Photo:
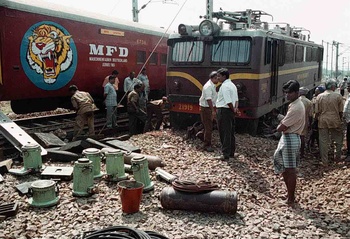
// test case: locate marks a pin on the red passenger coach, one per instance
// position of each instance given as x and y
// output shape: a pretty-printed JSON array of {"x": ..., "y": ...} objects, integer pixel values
[
  {"x": 44, "y": 48},
  {"x": 260, "y": 57}
]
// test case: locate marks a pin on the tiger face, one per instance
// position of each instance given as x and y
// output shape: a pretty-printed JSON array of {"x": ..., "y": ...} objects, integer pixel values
[{"x": 49, "y": 52}]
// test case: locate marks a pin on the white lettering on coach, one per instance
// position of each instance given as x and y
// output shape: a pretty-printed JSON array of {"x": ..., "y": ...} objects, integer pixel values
[{"x": 99, "y": 50}]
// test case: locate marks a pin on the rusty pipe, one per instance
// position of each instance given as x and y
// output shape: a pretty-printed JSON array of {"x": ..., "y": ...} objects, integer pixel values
[
  {"x": 217, "y": 201},
  {"x": 153, "y": 161}
]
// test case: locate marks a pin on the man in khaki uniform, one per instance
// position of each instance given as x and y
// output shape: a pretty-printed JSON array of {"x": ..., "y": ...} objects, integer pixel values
[
  {"x": 329, "y": 112},
  {"x": 84, "y": 105},
  {"x": 308, "y": 116}
]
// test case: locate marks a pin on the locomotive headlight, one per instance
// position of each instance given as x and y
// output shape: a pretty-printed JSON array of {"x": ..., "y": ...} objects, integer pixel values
[
  {"x": 186, "y": 30},
  {"x": 208, "y": 28}
]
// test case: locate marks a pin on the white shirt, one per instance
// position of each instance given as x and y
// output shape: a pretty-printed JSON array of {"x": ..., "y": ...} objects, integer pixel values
[
  {"x": 227, "y": 94},
  {"x": 346, "y": 111},
  {"x": 208, "y": 93},
  {"x": 130, "y": 83}
]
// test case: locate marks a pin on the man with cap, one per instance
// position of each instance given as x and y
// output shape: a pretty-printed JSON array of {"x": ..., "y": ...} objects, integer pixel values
[
  {"x": 84, "y": 105},
  {"x": 329, "y": 112},
  {"x": 207, "y": 108},
  {"x": 308, "y": 113},
  {"x": 346, "y": 116}
]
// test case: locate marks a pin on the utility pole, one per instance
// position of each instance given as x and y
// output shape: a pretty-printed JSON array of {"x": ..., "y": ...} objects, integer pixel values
[
  {"x": 135, "y": 11},
  {"x": 209, "y": 10},
  {"x": 336, "y": 58},
  {"x": 327, "y": 60}
]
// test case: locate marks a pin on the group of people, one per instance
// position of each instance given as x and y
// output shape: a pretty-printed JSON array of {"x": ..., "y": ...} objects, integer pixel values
[
  {"x": 140, "y": 109},
  {"x": 222, "y": 105},
  {"x": 323, "y": 116}
]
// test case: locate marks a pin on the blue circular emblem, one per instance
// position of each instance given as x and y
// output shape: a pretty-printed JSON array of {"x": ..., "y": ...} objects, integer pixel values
[{"x": 48, "y": 55}]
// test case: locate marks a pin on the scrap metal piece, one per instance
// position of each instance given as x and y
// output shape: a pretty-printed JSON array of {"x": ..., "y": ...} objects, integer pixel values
[
  {"x": 49, "y": 139},
  {"x": 23, "y": 188},
  {"x": 5, "y": 166},
  {"x": 123, "y": 146},
  {"x": 63, "y": 173},
  {"x": 9, "y": 209},
  {"x": 15, "y": 134}
]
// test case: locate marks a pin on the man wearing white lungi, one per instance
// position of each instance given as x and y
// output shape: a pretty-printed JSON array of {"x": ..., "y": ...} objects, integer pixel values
[{"x": 286, "y": 156}]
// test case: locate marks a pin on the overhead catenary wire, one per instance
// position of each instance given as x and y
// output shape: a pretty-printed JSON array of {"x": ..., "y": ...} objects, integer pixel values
[{"x": 149, "y": 57}]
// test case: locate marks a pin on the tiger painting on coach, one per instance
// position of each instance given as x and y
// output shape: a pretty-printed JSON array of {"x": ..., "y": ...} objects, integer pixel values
[{"x": 49, "y": 52}]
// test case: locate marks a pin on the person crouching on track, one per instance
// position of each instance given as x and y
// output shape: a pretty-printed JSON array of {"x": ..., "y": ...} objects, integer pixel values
[
  {"x": 155, "y": 107},
  {"x": 84, "y": 105},
  {"x": 134, "y": 111},
  {"x": 286, "y": 156},
  {"x": 207, "y": 108},
  {"x": 111, "y": 102}
]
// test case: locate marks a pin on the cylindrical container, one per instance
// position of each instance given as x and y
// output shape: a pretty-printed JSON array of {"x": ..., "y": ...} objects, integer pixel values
[
  {"x": 115, "y": 165},
  {"x": 44, "y": 193},
  {"x": 215, "y": 201},
  {"x": 153, "y": 161},
  {"x": 95, "y": 156},
  {"x": 139, "y": 167},
  {"x": 32, "y": 157},
  {"x": 83, "y": 177},
  {"x": 130, "y": 194}
]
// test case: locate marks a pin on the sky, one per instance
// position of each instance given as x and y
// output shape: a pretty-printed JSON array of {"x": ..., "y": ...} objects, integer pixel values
[{"x": 328, "y": 21}]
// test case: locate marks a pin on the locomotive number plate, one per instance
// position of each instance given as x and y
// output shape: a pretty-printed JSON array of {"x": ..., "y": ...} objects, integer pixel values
[{"x": 186, "y": 108}]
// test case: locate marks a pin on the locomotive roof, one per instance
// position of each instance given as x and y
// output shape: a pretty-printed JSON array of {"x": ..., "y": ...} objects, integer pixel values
[
  {"x": 54, "y": 10},
  {"x": 247, "y": 33}
]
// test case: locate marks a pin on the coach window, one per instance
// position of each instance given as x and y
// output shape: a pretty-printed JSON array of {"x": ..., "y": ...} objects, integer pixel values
[
  {"x": 141, "y": 57},
  {"x": 163, "y": 59},
  {"x": 299, "y": 54},
  {"x": 231, "y": 51},
  {"x": 191, "y": 51},
  {"x": 308, "y": 54},
  {"x": 289, "y": 53},
  {"x": 154, "y": 59},
  {"x": 314, "y": 54}
]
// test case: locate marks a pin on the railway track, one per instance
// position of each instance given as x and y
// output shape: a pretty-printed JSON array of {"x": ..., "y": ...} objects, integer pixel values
[{"x": 65, "y": 122}]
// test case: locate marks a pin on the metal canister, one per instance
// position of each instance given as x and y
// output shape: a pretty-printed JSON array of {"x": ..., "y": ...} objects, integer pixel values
[
  {"x": 83, "y": 177},
  {"x": 115, "y": 165},
  {"x": 215, "y": 201},
  {"x": 32, "y": 157},
  {"x": 95, "y": 156},
  {"x": 139, "y": 167},
  {"x": 44, "y": 193}
]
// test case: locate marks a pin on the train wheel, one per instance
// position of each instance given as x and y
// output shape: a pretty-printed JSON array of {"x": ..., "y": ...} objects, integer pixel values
[
  {"x": 249, "y": 126},
  {"x": 182, "y": 120}
]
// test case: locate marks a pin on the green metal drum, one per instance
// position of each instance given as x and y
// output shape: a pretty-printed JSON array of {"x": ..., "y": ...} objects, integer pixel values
[
  {"x": 139, "y": 167},
  {"x": 83, "y": 177},
  {"x": 44, "y": 193},
  {"x": 95, "y": 156},
  {"x": 32, "y": 157},
  {"x": 115, "y": 165}
]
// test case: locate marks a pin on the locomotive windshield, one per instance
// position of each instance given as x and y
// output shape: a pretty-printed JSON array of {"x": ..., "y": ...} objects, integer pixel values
[
  {"x": 190, "y": 51},
  {"x": 236, "y": 51}
]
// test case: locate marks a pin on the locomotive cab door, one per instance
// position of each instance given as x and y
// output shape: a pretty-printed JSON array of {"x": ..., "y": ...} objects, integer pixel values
[{"x": 277, "y": 47}]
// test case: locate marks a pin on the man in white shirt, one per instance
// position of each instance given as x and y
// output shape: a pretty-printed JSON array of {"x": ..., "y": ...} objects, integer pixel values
[
  {"x": 346, "y": 116},
  {"x": 130, "y": 82},
  {"x": 207, "y": 109},
  {"x": 145, "y": 81},
  {"x": 227, "y": 107}
]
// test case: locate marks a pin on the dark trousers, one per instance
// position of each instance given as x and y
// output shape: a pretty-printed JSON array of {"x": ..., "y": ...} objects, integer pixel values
[
  {"x": 134, "y": 119},
  {"x": 207, "y": 121},
  {"x": 226, "y": 125}
]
